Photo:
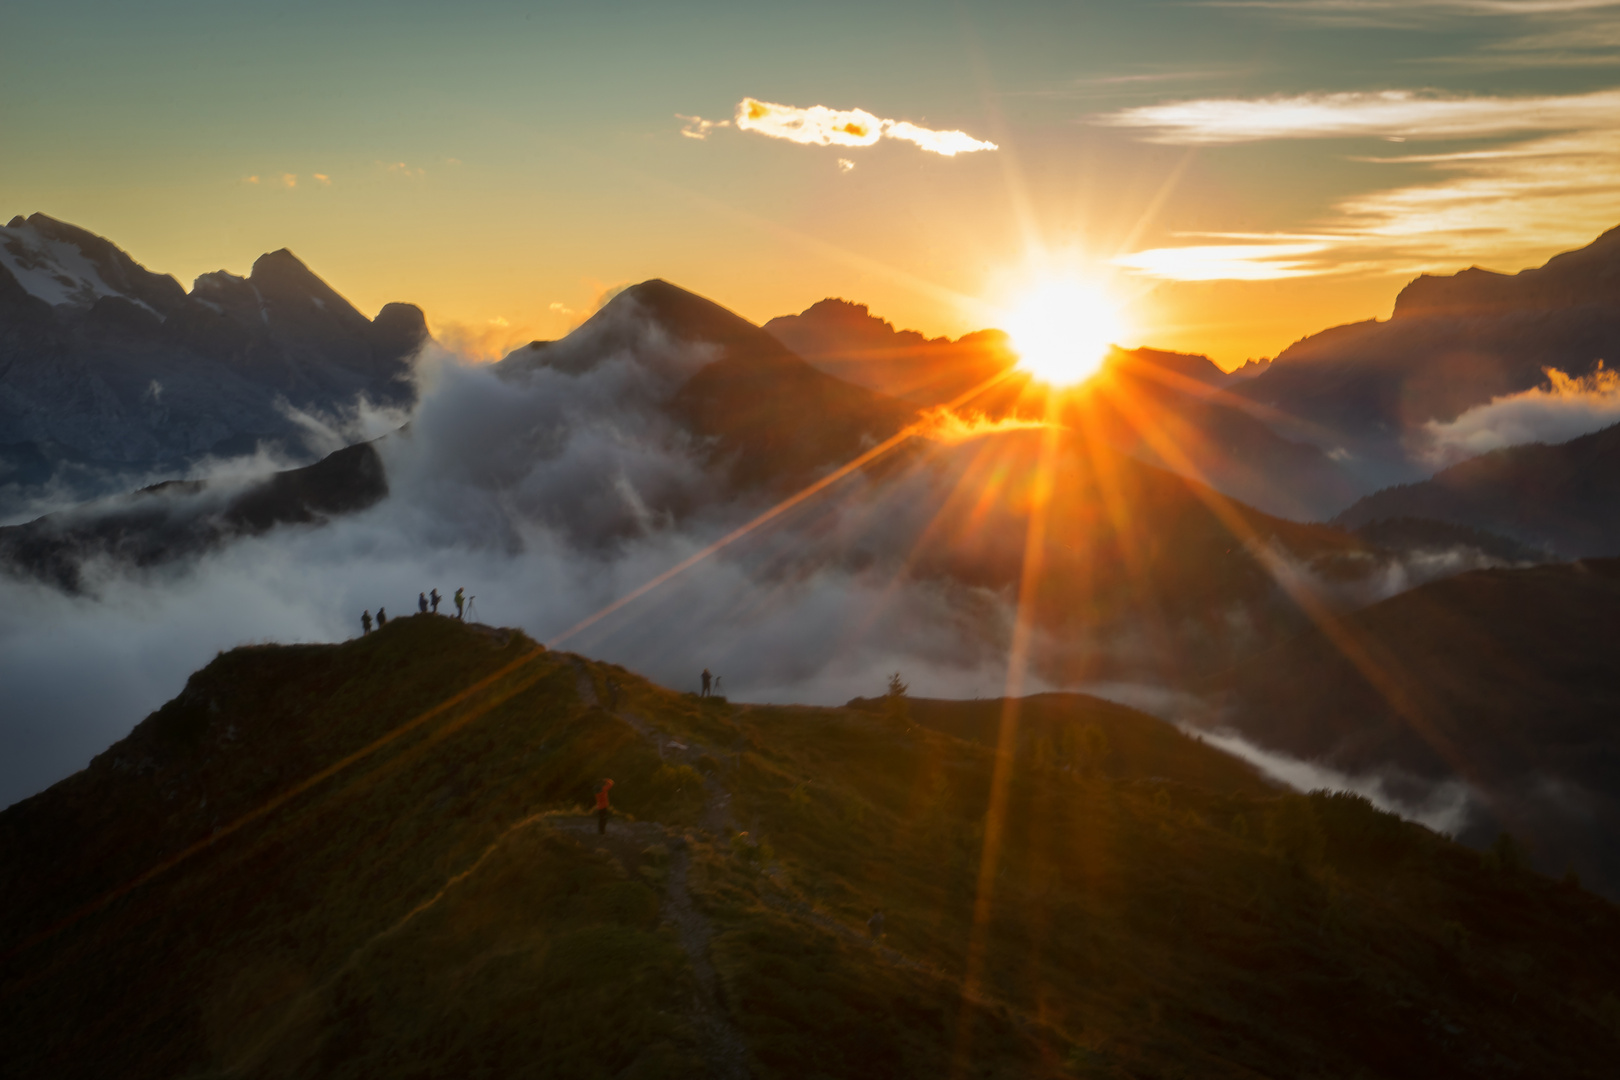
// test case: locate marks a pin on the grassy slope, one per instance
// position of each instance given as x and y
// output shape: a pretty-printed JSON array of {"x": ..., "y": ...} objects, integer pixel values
[{"x": 441, "y": 907}]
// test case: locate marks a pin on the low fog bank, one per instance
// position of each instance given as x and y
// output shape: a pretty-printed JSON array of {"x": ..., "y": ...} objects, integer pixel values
[
  {"x": 1564, "y": 408},
  {"x": 549, "y": 488},
  {"x": 1449, "y": 807}
]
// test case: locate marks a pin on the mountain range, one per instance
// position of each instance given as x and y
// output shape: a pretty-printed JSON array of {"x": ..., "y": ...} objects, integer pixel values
[
  {"x": 1368, "y": 390},
  {"x": 111, "y": 373}
]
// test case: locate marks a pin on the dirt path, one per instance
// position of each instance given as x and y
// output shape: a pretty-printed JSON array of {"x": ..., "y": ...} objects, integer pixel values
[{"x": 723, "y": 1047}]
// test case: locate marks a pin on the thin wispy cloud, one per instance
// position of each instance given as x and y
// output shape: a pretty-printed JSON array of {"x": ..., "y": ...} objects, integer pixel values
[
  {"x": 698, "y": 128},
  {"x": 1262, "y": 261},
  {"x": 819, "y": 125},
  {"x": 1404, "y": 114},
  {"x": 1409, "y": 13},
  {"x": 1549, "y": 181}
]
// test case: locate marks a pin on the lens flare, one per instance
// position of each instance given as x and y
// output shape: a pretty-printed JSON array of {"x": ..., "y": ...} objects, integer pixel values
[{"x": 1062, "y": 330}]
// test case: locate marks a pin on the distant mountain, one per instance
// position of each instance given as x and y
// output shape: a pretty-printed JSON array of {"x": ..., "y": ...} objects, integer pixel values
[
  {"x": 1507, "y": 681},
  {"x": 845, "y": 339},
  {"x": 110, "y": 372},
  {"x": 1453, "y": 342},
  {"x": 766, "y": 418},
  {"x": 180, "y": 519},
  {"x": 1167, "y": 408},
  {"x": 377, "y": 858},
  {"x": 1563, "y": 499}
]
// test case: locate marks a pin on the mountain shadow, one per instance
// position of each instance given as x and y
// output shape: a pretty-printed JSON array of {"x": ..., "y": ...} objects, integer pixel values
[
  {"x": 1563, "y": 498},
  {"x": 1504, "y": 680}
]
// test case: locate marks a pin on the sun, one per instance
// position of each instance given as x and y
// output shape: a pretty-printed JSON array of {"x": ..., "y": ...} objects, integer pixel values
[{"x": 1062, "y": 329}]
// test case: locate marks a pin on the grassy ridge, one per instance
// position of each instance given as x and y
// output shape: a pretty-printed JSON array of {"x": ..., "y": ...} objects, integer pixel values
[{"x": 443, "y": 906}]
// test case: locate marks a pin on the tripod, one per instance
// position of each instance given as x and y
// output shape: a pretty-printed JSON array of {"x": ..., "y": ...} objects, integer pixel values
[{"x": 472, "y": 612}]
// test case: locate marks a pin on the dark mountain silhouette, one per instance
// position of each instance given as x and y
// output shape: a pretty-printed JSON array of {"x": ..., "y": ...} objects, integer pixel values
[
  {"x": 180, "y": 519},
  {"x": 1506, "y": 680},
  {"x": 1453, "y": 342},
  {"x": 1165, "y": 407},
  {"x": 109, "y": 371},
  {"x": 375, "y": 858},
  {"x": 1416, "y": 536},
  {"x": 845, "y": 339},
  {"x": 1563, "y": 499}
]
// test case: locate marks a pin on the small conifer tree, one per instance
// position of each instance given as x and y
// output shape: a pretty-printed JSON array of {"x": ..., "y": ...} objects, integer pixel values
[{"x": 895, "y": 705}]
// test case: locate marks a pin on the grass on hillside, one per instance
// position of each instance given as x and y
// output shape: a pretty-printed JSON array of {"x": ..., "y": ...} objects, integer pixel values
[{"x": 443, "y": 905}]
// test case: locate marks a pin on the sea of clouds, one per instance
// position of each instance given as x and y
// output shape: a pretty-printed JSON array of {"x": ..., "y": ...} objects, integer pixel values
[
  {"x": 548, "y": 489},
  {"x": 547, "y": 496}
]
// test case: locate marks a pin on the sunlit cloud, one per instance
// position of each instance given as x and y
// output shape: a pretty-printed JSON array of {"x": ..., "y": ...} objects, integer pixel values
[
  {"x": 821, "y": 126},
  {"x": 845, "y": 165},
  {"x": 402, "y": 169},
  {"x": 323, "y": 179},
  {"x": 1224, "y": 262},
  {"x": 1405, "y": 114},
  {"x": 481, "y": 342},
  {"x": 698, "y": 128},
  {"x": 943, "y": 425},
  {"x": 1565, "y": 408},
  {"x": 250, "y": 179},
  {"x": 1550, "y": 182}
]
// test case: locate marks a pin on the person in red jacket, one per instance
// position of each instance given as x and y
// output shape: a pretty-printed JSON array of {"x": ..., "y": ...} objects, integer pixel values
[{"x": 602, "y": 810}]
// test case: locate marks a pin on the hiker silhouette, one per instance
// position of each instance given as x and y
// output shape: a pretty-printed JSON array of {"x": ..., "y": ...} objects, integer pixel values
[
  {"x": 434, "y": 598},
  {"x": 421, "y": 603},
  {"x": 602, "y": 811},
  {"x": 461, "y": 598},
  {"x": 382, "y": 618},
  {"x": 706, "y": 680},
  {"x": 365, "y": 621}
]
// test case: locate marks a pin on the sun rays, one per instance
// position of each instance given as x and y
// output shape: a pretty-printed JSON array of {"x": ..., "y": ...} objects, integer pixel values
[{"x": 1062, "y": 329}]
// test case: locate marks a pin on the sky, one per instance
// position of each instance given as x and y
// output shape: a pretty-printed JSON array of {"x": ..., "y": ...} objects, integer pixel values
[{"x": 1235, "y": 173}]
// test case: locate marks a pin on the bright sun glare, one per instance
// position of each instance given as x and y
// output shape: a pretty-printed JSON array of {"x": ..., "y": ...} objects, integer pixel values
[{"x": 1062, "y": 329}]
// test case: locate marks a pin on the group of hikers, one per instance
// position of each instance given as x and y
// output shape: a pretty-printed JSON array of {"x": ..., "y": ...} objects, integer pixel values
[{"x": 426, "y": 603}]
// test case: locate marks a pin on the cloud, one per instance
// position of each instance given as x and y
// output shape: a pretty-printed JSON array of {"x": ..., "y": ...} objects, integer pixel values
[
  {"x": 548, "y": 495},
  {"x": 1225, "y": 262},
  {"x": 845, "y": 165},
  {"x": 1564, "y": 409},
  {"x": 1411, "y": 13},
  {"x": 1549, "y": 180},
  {"x": 821, "y": 126},
  {"x": 250, "y": 180},
  {"x": 698, "y": 128},
  {"x": 481, "y": 342},
  {"x": 1446, "y": 807},
  {"x": 402, "y": 169},
  {"x": 1406, "y": 114},
  {"x": 288, "y": 180},
  {"x": 323, "y": 179}
]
